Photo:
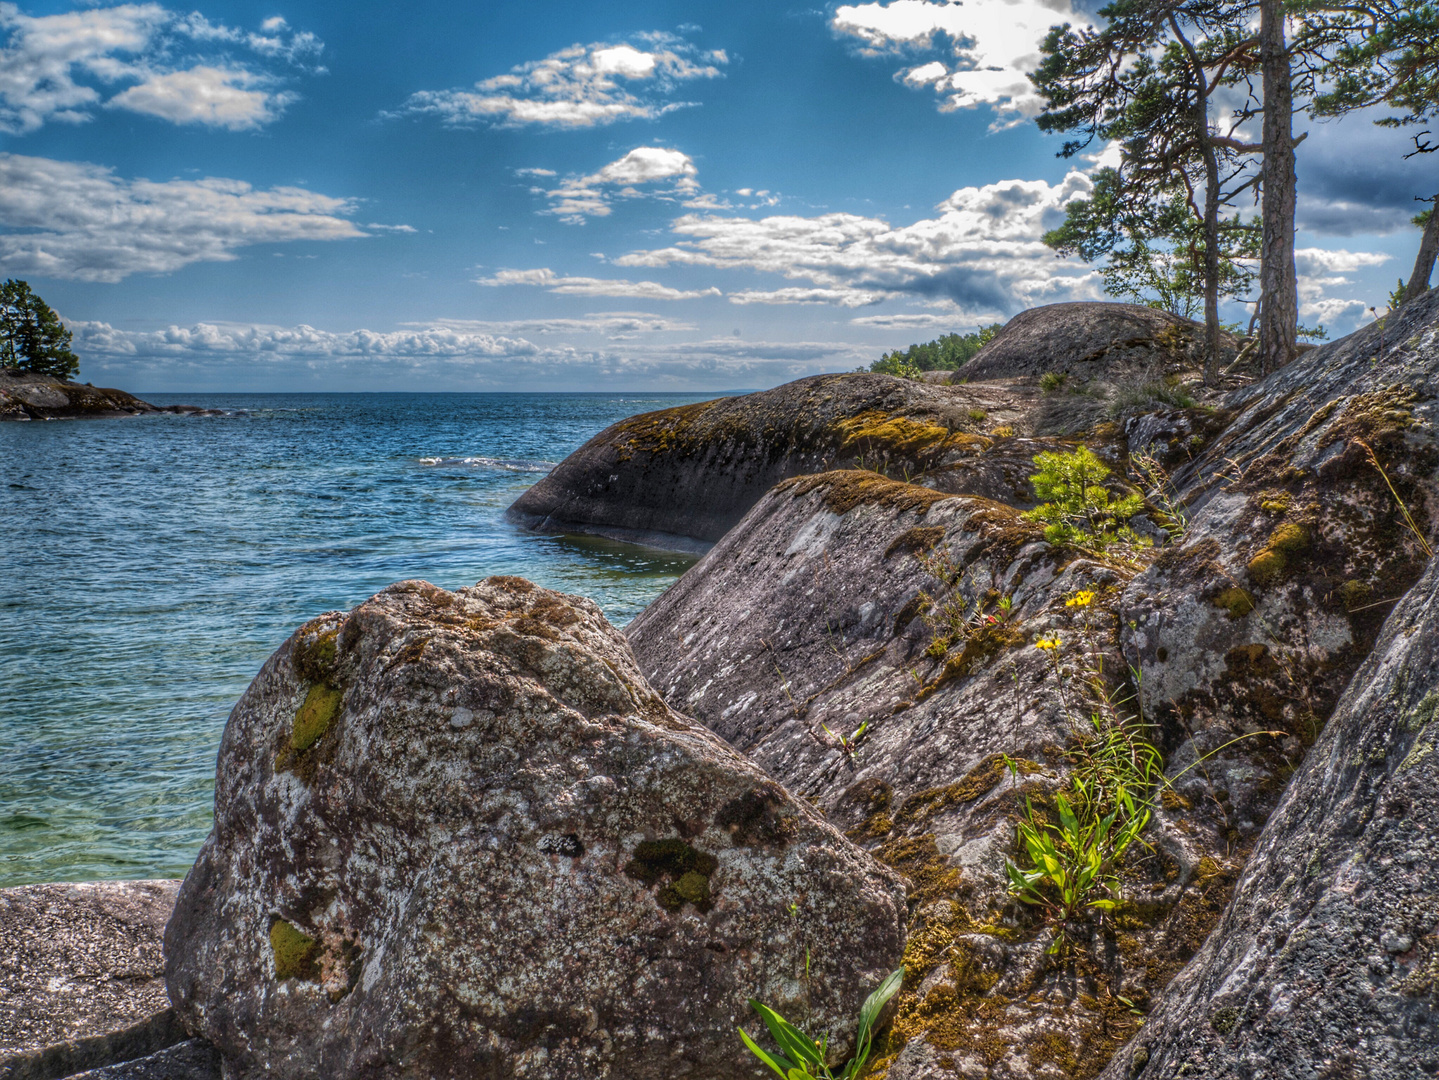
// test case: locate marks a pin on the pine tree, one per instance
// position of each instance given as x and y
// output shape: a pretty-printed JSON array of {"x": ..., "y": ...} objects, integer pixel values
[{"x": 32, "y": 337}]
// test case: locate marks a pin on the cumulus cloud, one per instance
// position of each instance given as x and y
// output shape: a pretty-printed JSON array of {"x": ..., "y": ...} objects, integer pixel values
[
  {"x": 578, "y": 87},
  {"x": 458, "y": 353},
  {"x": 581, "y": 197},
  {"x": 165, "y": 64},
  {"x": 987, "y": 48},
  {"x": 258, "y": 340},
  {"x": 1324, "y": 278},
  {"x": 982, "y": 252},
  {"x": 80, "y": 221},
  {"x": 548, "y": 280}
]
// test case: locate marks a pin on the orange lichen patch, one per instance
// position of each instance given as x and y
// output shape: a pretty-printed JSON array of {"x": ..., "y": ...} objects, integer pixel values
[
  {"x": 844, "y": 489},
  {"x": 664, "y": 431},
  {"x": 980, "y": 780},
  {"x": 877, "y": 430}
]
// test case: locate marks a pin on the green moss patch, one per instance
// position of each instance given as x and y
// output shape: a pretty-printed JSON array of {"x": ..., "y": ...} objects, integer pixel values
[
  {"x": 315, "y": 715},
  {"x": 1235, "y": 601},
  {"x": 297, "y": 954},
  {"x": 685, "y": 869}
]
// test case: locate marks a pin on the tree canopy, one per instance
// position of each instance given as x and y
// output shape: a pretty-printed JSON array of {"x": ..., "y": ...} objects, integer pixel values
[
  {"x": 32, "y": 337},
  {"x": 945, "y": 353}
]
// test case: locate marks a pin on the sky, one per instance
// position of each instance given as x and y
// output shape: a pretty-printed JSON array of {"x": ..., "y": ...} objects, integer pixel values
[{"x": 572, "y": 196}]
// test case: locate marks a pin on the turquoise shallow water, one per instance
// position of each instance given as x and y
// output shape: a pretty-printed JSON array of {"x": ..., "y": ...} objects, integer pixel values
[{"x": 150, "y": 565}]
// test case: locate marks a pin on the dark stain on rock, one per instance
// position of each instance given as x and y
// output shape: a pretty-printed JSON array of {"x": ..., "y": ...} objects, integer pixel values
[{"x": 755, "y": 819}]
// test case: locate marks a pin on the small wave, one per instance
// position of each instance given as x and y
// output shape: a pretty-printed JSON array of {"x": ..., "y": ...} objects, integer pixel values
[{"x": 526, "y": 465}]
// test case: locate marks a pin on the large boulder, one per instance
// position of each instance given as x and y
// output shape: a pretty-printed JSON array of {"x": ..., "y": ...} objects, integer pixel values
[
  {"x": 681, "y": 478},
  {"x": 1085, "y": 341},
  {"x": 1327, "y": 962},
  {"x": 457, "y": 834},
  {"x": 1309, "y": 518}
]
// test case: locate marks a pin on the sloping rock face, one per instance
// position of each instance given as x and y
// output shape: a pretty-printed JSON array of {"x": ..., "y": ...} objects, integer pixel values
[
  {"x": 458, "y": 835},
  {"x": 81, "y": 976},
  {"x": 833, "y": 608},
  {"x": 1309, "y": 519},
  {"x": 681, "y": 478},
  {"x": 1327, "y": 962},
  {"x": 24, "y": 396},
  {"x": 1305, "y": 520}
]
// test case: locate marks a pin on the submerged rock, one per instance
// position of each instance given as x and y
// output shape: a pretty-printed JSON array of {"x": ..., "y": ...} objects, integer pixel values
[
  {"x": 1327, "y": 962},
  {"x": 457, "y": 834}
]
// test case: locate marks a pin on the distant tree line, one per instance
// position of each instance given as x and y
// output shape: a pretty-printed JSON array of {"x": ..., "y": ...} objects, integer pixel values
[
  {"x": 1160, "y": 78},
  {"x": 32, "y": 337},
  {"x": 945, "y": 353}
]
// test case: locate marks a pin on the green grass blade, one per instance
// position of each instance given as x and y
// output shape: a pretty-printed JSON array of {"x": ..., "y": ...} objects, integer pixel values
[
  {"x": 791, "y": 1040},
  {"x": 782, "y": 1067}
]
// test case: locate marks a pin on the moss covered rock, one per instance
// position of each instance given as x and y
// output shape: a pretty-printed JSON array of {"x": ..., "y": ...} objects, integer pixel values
[{"x": 457, "y": 834}]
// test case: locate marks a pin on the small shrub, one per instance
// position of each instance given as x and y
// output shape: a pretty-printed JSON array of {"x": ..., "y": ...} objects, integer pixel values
[
  {"x": 1078, "y": 509},
  {"x": 978, "y": 415},
  {"x": 1051, "y": 381}
]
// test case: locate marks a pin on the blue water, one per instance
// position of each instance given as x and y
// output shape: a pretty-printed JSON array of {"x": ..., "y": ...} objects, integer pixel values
[{"x": 149, "y": 565}]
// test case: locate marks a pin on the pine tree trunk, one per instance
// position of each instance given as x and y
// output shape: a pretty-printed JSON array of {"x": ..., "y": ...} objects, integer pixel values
[
  {"x": 1211, "y": 269},
  {"x": 1428, "y": 249},
  {"x": 1278, "y": 287}
]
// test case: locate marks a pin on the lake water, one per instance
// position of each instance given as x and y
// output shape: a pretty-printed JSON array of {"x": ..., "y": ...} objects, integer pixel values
[{"x": 149, "y": 566}]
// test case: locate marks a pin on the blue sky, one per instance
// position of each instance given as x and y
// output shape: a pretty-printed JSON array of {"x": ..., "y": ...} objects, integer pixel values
[{"x": 606, "y": 196}]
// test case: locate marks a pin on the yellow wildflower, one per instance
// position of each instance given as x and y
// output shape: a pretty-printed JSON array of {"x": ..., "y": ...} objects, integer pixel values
[
  {"x": 1083, "y": 598},
  {"x": 1047, "y": 643}
]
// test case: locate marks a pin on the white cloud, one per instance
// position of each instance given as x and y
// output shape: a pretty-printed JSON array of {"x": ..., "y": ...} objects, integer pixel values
[
  {"x": 989, "y": 47},
  {"x": 60, "y": 67},
  {"x": 1337, "y": 261},
  {"x": 580, "y": 197},
  {"x": 983, "y": 251},
  {"x": 842, "y": 297},
  {"x": 234, "y": 98},
  {"x": 77, "y": 220},
  {"x": 587, "y": 286},
  {"x": 608, "y": 323},
  {"x": 913, "y": 320},
  {"x": 581, "y": 86},
  {"x": 457, "y": 353}
]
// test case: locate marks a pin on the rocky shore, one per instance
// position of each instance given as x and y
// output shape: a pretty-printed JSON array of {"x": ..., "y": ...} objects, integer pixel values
[
  {"x": 484, "y": 833},
  {"x": 24, "y": 396}
]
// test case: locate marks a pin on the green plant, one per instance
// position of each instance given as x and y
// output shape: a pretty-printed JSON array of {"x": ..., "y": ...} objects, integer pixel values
[
  {"x": 1052, "y": 380},
  {"x": 850, "y": 744},
  {"x": 803, "y": 1058},
  {"x": 1074, "y": 862},
  {"x": 1078, "y": 509}
]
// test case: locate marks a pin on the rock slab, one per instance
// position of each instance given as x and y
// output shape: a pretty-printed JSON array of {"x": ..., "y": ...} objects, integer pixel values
[
  {"x": 82, "y": 976},
  {"x": 1327, "y": 962},
  {"x": 24, "y": 396},
  {"x": 457, "y": 834}
]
